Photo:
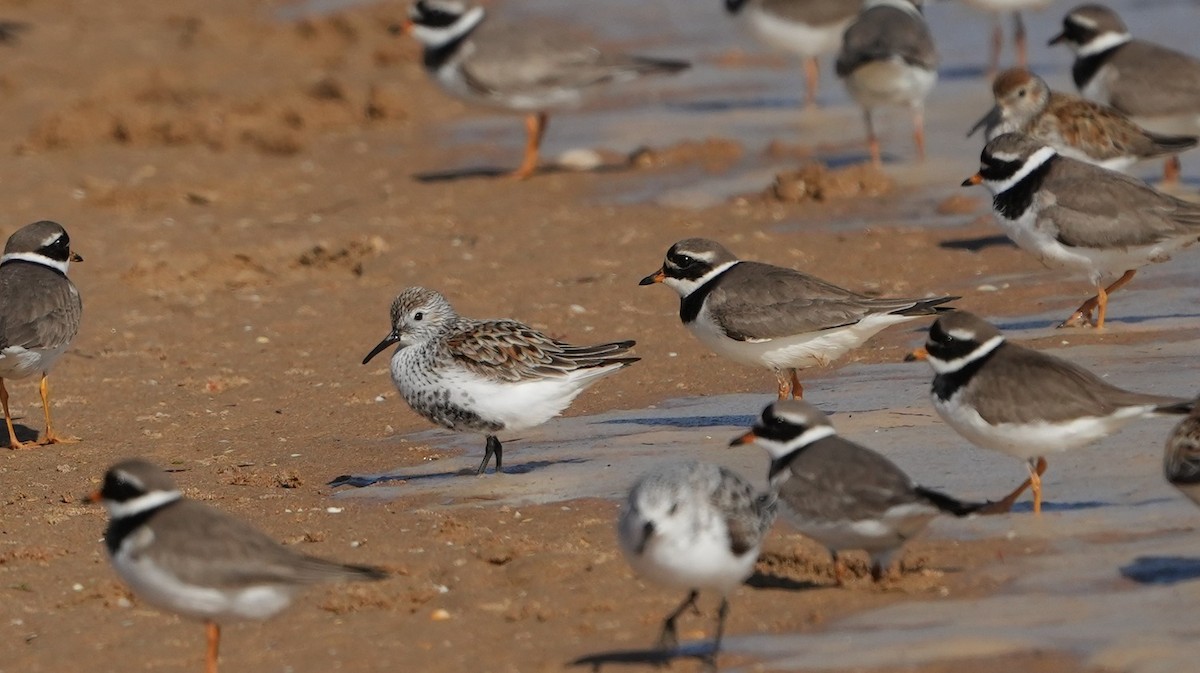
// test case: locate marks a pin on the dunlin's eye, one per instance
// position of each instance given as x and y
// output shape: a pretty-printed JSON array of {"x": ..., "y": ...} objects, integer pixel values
[
  {"x": 418, "y": 316},
  {"x": 1021, "y": 93}
]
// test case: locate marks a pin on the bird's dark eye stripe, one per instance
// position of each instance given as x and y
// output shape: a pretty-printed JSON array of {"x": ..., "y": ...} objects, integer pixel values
[{"x": 997, "y": 169}]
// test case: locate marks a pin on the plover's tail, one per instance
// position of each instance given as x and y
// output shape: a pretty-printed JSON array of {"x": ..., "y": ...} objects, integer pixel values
[{"x": 949, "y": 504}]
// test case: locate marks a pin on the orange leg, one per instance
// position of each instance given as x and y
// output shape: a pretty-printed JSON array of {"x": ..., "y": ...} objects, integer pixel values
[
  {"x": 1083, "y": 314},
  {"x": 51, "y": 436},
  {"x": 997, "y": 45},
  {"x": 797, "y": 389},
  {"x": 1171, "y": 170},
  {"x": 784, "y": 389},
  {"x": 919, "y": 131},
  {"x": 1005, "y": 504},
  {"x": 812, "y": 79},
  {"x": 839, "y": 570},
  {"x": 13, "y": 442},
  {"x": 1019, "y": 40},
  {"x": 214, "y": 641},
  {"x": 872, "y": 141},
  {"x": 535, "y": 128}
]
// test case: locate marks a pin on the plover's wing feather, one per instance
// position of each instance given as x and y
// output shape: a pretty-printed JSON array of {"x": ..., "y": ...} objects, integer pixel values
[
  {"x": 512, "y": 351},
  {"x": 1125, "y": 212},
  {"x": 1062, "y": 392},
  {"x": 891, "y": 32},
  {"x": 1103, "y": 132},
  {"x": 841, "y": 479},
  {"x": 517, "y": 60},
  {"x": 204, "y": 546},
  {"x": 761, "y": 301},
  {"x": 46, "y": 317},
  {"x": 1176, "y": 92}
]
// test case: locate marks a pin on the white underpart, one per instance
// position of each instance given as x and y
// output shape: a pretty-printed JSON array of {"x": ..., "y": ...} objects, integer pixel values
[
  {"x": 890, "y": 82},
  {"x": 1032, "y": 440},
  {"x": 438, "y": 37},
  {"x": 18, "y": 362},
  {"x": 1031, "y": 164},
  {"x": 142, "y": 503},
  {"x": 37, "y": 259},
  {"x": 902, "y": 5},
  {"x": 513, "y": 405},
  {"x": 998, "y": 6},
  {"x": 878, "y": 537},
  {"x": 164, "y": 590},
  {"x": 1101, "y": 43},
  {"x": 685, "y": 554},
  {"x": 794, "y": 36},
  {"x": 1038, "y": 236},
  {"x": 950, "y": 366},
  {"x": 684, "y": 286},
  {"x": 798, "y": 351},
  {"x": 1174, "y": 125}
]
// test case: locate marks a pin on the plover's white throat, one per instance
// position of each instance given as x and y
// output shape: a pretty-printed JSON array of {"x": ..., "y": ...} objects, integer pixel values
[
  {"x": 40, "y": 310},
  {"x": 1074, "y": 215},
  {"x": 888, "y": 58},
  {"x": 774, "y": 317},
  {"x": 1158, "y": 87},
  {"x": 189, "y": 559},
  {"x": 1023, "y": 402},
  {"x": 486, "y": 375},
  {"x": 694, "y": 526},
  {"x": 843, "y": 495},
  {"x": 518, "y": 67},
  {"x": 1075, "y": 127}
]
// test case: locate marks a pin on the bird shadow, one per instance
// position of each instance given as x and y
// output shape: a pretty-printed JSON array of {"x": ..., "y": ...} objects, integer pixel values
[
  {"x": 701, "y": 651},
  {"x": 1027, "y": 506},
  {"x": 731, "y": 105},
  {"x": 1017, "y": 325},
  {"x": 977, "y": 244},
  {"x": 361, "y": 481},
  {"x": 496, "y": 172},
  {"x": 1162, "y": 569},
  {"x": 761, "y": 580},
  {"x": 687, "y": 421}
]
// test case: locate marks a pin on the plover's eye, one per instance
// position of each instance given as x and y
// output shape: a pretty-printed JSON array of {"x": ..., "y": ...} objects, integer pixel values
[{"x": 418, "y": 316}]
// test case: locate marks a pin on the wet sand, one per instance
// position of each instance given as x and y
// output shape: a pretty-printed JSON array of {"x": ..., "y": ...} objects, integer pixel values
[{"x": 250, "y": 184}]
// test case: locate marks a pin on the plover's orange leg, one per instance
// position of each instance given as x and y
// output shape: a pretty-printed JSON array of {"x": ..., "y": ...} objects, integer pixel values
[
  {"x": 1006, "y": 503},
  {"x": 1035, "y": 483},
  {"x": 1019, "y": 40},
  {"x": 1171, "y": 170},
  {"x": 51, "y": 437},
  {"x": 214, "y": 642},
  {"x": 1102, "y": 295},
  {"x": 1082, "y": 315},
  {"x": 872, "y": 141},
  {"x": 997, "y": 46},
  {"x": 13, "y": 442},
  {"x": 812, "y": 79},
  {"x": 918, "y": 121},
  {"x": 783, "y": 385},
  {"x": 797, "y": 388},
  {"x": 535, "y": 128}
]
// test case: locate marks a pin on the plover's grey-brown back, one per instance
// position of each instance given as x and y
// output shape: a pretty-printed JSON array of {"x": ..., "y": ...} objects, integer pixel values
[
  {"x": 518, "y": 66},
  {"x": 694, "y": 526},
  {"x": 839, "y": 493},
  {"x": 40, "y": 311},
  {"x": 486, "y": 376},
  {"x": 189, "y": 559}
]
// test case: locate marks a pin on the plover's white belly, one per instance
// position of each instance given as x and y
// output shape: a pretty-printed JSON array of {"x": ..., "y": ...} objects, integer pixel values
[
  {"x": 798, "y": 351},
  {"x": 163, "y": 590},
  {"x": 890, "y": 82},
  {"x": 796, "y": 37},
  {"x": 17, "y": 362},
  {"x": 890, "y": 530},
  {"x": 700, "y": 562},
  {"x": 1098, "y": 263},
  {"x": 1031, "y": 440}
]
